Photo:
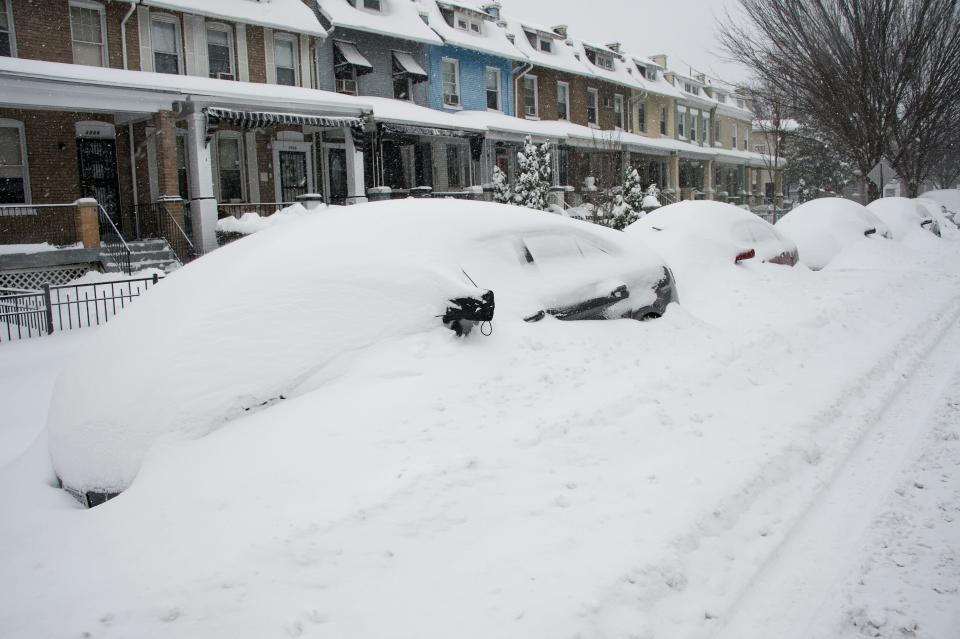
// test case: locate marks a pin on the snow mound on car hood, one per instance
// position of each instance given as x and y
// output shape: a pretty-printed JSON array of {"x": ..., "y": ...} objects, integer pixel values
[
  {"x": 901, "y": 214},
  {"x": 822, "y": 228}
]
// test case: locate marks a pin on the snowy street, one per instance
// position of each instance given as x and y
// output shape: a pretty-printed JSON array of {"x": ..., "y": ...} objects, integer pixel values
[{"x": 777, "y": 456}]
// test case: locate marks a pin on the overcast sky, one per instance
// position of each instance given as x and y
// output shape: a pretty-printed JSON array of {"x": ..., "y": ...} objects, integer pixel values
[{"x": 683, "y": 29}]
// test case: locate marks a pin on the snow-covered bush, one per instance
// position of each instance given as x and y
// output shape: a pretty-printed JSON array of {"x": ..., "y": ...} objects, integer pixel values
[
  {"x": 651, "y": 200},
  {"x": 533, "y": 183},
  {"x": 501, "y": 188},
  {"x": 628, "y": 202}
]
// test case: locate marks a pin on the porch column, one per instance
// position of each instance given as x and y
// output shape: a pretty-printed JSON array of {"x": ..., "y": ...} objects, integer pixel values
[
  {"x": 708, "y": 180},
  {"x": 203, "y": 204},
  {"x": 675, "y": 174},
  {"x": 166, "y": 147},
  {"x": 356, "y": 187}
]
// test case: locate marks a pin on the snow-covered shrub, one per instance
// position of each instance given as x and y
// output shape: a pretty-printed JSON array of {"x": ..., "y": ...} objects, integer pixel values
[
  {"x": 501, "y": 188},
  {"x": 533, "y": 183},
  {"x": 628, "y": 200},
  {"x": 651, "y": 200}
]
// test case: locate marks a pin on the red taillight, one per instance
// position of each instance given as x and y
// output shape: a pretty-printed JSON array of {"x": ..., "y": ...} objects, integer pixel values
[{"x": 745, "y": 255}]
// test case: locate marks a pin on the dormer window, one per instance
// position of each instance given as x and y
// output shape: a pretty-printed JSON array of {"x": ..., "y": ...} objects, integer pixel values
[
  {"x": 691, "y": 88},
  {"x": 539, "y": 43},
  {"x": 466, "y": 22},
  {"x": 372, "y": 5},
  {"x": 600, "y": 59},
  {"x": 643, "y": 70},
  {"x": 722, "y": 98},
  {"x": 741, "y": 104}
]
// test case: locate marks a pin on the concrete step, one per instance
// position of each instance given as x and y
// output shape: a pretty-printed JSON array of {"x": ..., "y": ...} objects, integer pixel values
[{"x": 152, "y": 253}]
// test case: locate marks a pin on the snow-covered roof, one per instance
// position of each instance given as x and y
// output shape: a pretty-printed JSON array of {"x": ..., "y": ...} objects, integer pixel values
[
  {"x": 403, "y": 112},
  {"x": 562, "y": 57},
  {"x": 397, "y": 18},
  {"x": 492, "y": 39},
  {"x": 286, "y": 15},
  {"x": 658, "y": 85},
  {"x": 621, "y": 72},
  {"x": 172, "y": 87}
]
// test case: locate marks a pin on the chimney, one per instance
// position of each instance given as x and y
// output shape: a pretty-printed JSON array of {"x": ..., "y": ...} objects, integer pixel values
[
  {"x": 615, "y": 47},
  {"x": 660, "y": 59},
  {"x": 561, "y": 30},
  {"x": 492, "y": 9}
]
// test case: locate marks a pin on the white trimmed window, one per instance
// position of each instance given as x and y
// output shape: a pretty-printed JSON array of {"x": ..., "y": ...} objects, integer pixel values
[
  {"x": 682, "y": 121},
  {"x": 663, "y": 119},
  {"x": 734, "y": 137},
  {"x": 220, "y": 51},
  {"x": 165, "y": 39},
  {"x": 531, "y": 96},
  {"x": 492, "y": 76},
  {"x": 593, "y": 106},
  {"x": 14, "y": 174},
  {"x": 88, "y": 30},
  {"x": 451, "y": 82},
  {"x": 466, "y": 22},
  {"x": 619, "y": 111},
  {"x": 642, "y": 116},
  {"x": 230, "y": 167},
  {"x": 285, "y": 59},
  {"x": 8, "y": 41},
  {"x": 694, "y": 126},
  {"x": 705, "y": 131},
  {"x": 563, "y": 100},
  {"x": 746, "y": 138}
]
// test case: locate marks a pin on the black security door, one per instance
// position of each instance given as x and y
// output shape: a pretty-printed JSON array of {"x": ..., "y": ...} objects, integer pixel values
[
  {"x": 98, "y": 174},
  {"x": 293, "y": 175}
]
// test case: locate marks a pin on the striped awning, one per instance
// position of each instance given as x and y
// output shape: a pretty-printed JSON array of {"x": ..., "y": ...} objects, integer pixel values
[{"x": 257, "y": 119}]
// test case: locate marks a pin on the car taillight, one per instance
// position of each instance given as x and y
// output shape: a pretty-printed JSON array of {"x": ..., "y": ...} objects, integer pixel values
[{"x": 745, "y": 255}]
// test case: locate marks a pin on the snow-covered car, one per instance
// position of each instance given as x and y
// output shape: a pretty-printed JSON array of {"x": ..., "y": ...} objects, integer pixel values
[
  {"x": 823, "y": 227},
  {"x": 949, "y": 199},
  {"x": 941, "y": 216},
  {"x": 717, "y": 231},
  {"x": 260, "y": 320},
  {"x": 903, "y": 216}
]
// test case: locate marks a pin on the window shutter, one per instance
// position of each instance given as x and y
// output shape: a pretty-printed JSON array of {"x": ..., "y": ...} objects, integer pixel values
[
  {"x": 268, "y": 56},
  {"x": 305, "y": 72},
  {"x": 146, "y": 49},
  {"x": 243, "y": 64}
]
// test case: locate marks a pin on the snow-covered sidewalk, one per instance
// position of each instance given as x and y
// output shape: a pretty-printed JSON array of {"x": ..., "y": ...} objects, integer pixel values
[{"x": 553, "y": 480}]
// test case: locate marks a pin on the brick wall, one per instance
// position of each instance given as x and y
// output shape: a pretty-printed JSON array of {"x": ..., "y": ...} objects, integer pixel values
[
  {"x": 547, "y": 80},
  {"x": 43, "y": 32}
]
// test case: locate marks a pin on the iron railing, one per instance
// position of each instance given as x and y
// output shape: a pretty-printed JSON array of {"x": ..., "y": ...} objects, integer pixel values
[
  {"x": 113, "y": 242},
  {"x": 263, "y": 209},
  {"x": 39, "y": 223},
  {"x": 157, "y": 220},
  {"x": 25, "y": 313}
]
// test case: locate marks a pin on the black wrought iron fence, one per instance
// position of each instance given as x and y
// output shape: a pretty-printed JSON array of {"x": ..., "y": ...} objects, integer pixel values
[{"x": 25, "y": 313}]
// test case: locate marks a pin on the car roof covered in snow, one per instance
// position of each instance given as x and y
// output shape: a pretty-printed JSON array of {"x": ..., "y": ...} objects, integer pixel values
[
  {"x": 229, "y": 334},
  {"x": 823, "y": 227},
  {"x": 903, "y": 215}
]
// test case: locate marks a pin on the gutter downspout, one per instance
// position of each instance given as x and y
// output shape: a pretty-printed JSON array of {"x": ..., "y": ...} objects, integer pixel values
[
  {"x": 518, "y": 73},
  {"x": 130, "y": 139}
]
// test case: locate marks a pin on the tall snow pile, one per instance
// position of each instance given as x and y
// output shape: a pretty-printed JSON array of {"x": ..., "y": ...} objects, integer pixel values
[{"x": 252, "y": 222}]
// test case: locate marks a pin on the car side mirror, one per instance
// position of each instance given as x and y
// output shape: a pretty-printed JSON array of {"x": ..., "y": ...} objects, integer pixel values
[
  {"x": 869, "y": 232},
  {"x": 745, "y": 255},
  {"x": 464, "y": 313}
]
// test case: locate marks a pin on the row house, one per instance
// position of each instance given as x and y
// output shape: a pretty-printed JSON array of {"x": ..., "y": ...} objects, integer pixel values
[{"x": 141, "y": 103}]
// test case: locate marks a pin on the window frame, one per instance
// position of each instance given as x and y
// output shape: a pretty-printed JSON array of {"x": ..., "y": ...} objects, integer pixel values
[
  {"x": 11, "y": 29},
  {"x": 231, "y": 45},
  {"x": 566, "y": 102},
  {"x": 681, "y": 121},
  {"x": 295, "y": 50},
  {"x": 593, "y": 96},
  {"x": 735, "y": 137},
  {"x": 237, "y": 137},
  {"x": 7, "y": 123},
  {"x": 456, "y": 83},
  {"x": 642, "y": 116},
  {"x": 486, "y": 79},
  {"x": 99, "y": 8},
  {"x": 536, "y": 97},
  {"x": 469, "y": 22},
  {"x": 178, "y": 35},
  {"x": 377, "y": 9},
  {"x": 664, "y": 120},
  {"x": 621, "y": 112}
]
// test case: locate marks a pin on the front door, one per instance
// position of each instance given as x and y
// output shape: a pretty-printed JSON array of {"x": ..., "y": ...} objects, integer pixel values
[
  {"x": 336, "y": 175},
  {"x": 293, "y": 175},
  {"x": 98, "y": 174}
]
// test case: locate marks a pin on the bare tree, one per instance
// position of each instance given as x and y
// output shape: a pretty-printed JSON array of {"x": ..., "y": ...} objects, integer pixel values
[
  {"x": 929, "y": 112},
  {"x": 946, "y": 170},
  {"x": 772, "y": 112},
  {"x": 842, "y": 62}
]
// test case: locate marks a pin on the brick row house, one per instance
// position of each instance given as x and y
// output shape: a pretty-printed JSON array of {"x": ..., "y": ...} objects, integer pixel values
[{"x": 173, "y": 113}]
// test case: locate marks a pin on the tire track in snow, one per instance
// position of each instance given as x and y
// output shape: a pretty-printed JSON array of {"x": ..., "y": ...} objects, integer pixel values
[{"x": 790, "y": 585}]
